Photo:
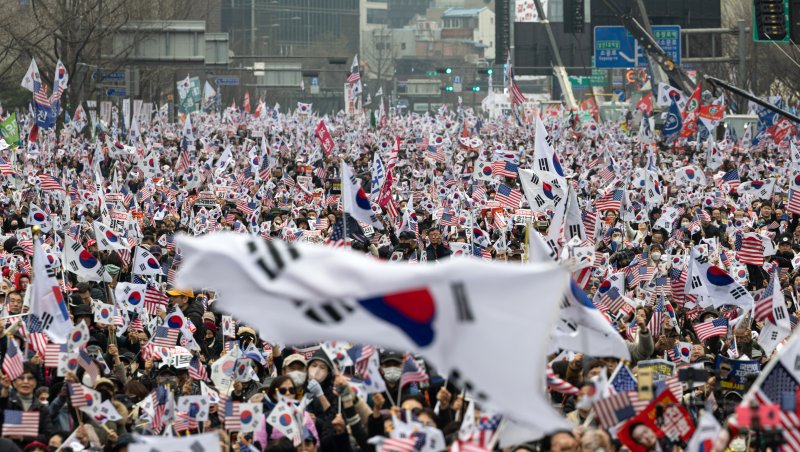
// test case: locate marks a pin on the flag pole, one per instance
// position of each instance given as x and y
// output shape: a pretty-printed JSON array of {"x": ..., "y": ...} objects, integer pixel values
[{"x": 343, "y": 198}]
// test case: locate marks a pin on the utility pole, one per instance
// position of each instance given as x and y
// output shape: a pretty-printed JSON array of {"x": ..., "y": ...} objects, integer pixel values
[{"x": 659, "y": 76}]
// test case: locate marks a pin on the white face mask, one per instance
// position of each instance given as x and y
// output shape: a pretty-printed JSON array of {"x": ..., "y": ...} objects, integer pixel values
[
  {"x": 656, "y": 257},
  {"x": 392, "y": 374},
  {"x": 685, "y": 225},
  {"x": 298, "y": 377}
]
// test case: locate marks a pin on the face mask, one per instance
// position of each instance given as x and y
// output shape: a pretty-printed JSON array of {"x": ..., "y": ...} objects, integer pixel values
[
  {"x": 298, "y": 377},
  {"x": 318, "y": 374},
  {"x": 685, "y": 225},
  {"x": 617, "y": 240},
  {"x": 656, "y": 257},
  {"x": 392, "y": 374}
]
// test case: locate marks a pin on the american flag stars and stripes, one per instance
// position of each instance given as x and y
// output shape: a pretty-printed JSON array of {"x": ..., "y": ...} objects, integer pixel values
[
  {"x": 412, "y": 372},
  {"x": 712, "y": 328},
  {"x": 508, "y": 196},
  {"x": 610, "y": 201},
  {"x": 505, "y": 169},
  {"x": 20, "y": 423},
  {"x": 12, "y": 362}
]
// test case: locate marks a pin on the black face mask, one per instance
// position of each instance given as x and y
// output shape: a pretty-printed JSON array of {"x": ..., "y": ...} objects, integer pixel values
[{"x": 788, "y": 255}]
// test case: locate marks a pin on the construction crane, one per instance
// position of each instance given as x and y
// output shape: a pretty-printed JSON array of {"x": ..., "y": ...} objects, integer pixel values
[
  {"x": 677, "y": 76},
  {"x": 558, "y": 68}
]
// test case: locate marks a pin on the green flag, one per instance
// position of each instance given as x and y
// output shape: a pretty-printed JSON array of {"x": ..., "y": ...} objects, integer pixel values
[{"x": 10, "y": 130}]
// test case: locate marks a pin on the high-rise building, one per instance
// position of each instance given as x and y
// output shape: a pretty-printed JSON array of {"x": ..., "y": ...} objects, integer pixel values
[{"x": 291, "y": 27}]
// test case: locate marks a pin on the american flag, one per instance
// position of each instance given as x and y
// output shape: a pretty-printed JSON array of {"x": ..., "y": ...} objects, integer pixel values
[
  {"x": 613, "y": 409},
  {"x": 355, "y": 73},
  {"x": 677, "y": 278},
  {"x": 479, "y": 251},
  {"x": 610, "y": 201},
  {"x": 730, "y": 180},
  {"x": 399, "y": 445},
  {"x": 437, "y": 154},
  {"x": 86, "y": 361},
  {"x": 558, "y": 384},
  {"x": 712, "y": 328},
  {"x": 411, "y": 372},
  {"x": 49, "y": 182},
  {"x": 232, "y": 417},
  {"x": 751, "y": 250},
  {"x": 5, "y": 167},
  {"x": 639, "y": 273},
  {"x": 466, "y": 446},
  {"x": 504, "y": 169},
  {"x": 607, "y": 172},
  {"x": 614, "y": 301},
  {"x": 183, "y": 161},
  {"x": 360, "y": 355},
  {"x": 449, "y": 218},
  {"x": 508, "y": 196},
  {"x": 80, "y": 395},
  {"x": 775, "y": 386},
  {"x": 794, "y": 201},
  {"x": 517, "y": 98},
  {"x": 623, "y": 380},
  {"x": 51, "y": 354},
  {"x": 763, "y": 308},
  {"x": 21, "y": 423},
  {"x": 478, "y": 194},
  {"x": 184, "y": 422},
  {"x": 165, "y": 337},
  {"x": 153, "y": 298},
  {"x": 12, "y": 363},
  {"x": 657, "y": 318}
]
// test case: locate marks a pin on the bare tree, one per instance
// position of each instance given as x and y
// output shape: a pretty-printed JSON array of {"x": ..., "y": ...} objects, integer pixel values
[
  {"x": 77, "y": 32},
  {"x": 380, "y": 56}
]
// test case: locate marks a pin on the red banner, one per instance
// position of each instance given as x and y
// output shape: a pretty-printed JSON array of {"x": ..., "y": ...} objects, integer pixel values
[
  {"x": 665, "y": 416},
  {"x": 324, "y": 137}
]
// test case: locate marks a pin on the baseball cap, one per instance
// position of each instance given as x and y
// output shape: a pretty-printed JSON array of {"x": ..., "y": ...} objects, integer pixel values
[{"x": 294, "y": 358}]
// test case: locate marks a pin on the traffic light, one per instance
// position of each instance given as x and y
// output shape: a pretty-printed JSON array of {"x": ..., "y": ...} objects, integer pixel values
[
  {"x": 444, "y": 70},
  {"x": 448, "y": 70},
  {"x": 477, "y": 89},
  {"x": 448, "y": 88},
  {"x": 770, "y": 19},
  {"x": 486, "y": 71},
  {"x": 794, "y": 20}
]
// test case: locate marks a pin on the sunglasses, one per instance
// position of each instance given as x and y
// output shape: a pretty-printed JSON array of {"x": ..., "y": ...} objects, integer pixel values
[{"x": 285, "y": 391}]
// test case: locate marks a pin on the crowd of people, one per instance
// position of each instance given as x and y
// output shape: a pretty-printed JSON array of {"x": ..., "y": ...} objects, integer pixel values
[{"x": 444, "y": 185}]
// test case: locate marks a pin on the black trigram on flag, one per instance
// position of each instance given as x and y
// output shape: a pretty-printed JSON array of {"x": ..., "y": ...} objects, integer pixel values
[
  {"x": 326, "y": 313},
  {"x": 273, "y": 261},
  {"x": 544, "y": 165},
  {"x": 738, "y": 292},
  {"x": 696, "y": 282},
  {"x": 534, "y": 178},
  {"x": 574, "y": 230},
  {"x": 463, "y": 311},
  {"x": 539, "y": 201}
]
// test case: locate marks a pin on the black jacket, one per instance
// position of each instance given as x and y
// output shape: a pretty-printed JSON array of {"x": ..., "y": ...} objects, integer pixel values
[{"x": 436, "y": 252}]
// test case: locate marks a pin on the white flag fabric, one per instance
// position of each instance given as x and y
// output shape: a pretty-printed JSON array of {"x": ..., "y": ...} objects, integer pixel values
[
  {"x": 690, "y": 175},
  {"x": 582, "y": 328},
  {"x": 758, "y": 188},
  {"x": 81, "y": 262},
  {"x": 378, "y": 175},
  {"x": 187, "y": 131},
  {"x": 705, "y": 434},
  {"x": 373, "y": 381},
  {"x": 31, "y": 76},
  {"x": 203, "y": 442},
  {"x": 78, "y": 337},
  {"x": 545, "y": 159},
  {"x": 287, "y": 418},
  {"x": 542, "y": 190},
  {"x": 195, "y": 405},
  {"x": 355, "y": 199},
  {"x": 38, "y": 217},
  {"x": 47, "y": 300},
  {"x": 447, "y": 312},
  {"x": 130, "y": 295},
  {"x": 107, "y": 239},
  {"x": 715, "y": 284},
  {"x": 146, "y": 264}
]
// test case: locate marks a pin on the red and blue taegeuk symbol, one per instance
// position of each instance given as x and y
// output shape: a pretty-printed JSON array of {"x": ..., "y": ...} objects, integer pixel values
[{"x": 412, "y": 311}]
